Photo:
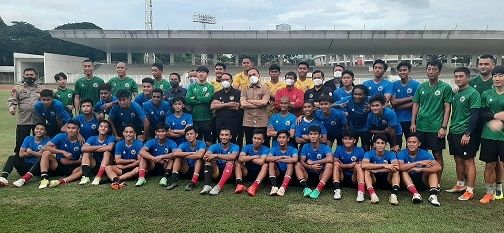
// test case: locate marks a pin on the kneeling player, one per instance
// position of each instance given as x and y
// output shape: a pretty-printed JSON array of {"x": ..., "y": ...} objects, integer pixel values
[
  {"x": 252, "y": 163},
  {"x": 348, "y": 168},
  {"x": 316, "y": 163},
  {"x": 97, "y": 153},
  {"x": 126, "y": 158},
  {"x": 219, "y": 158},
  {"x": 418, "y": 169},
  {"x": 62, "y": 157},
  {"x": 28, "y": 162},
  {"x": 281, "y": 160},
  {"x": 188, "y": 157},
  {"x": 380, "y": 167},
  {"x": 156, "y": 156}
]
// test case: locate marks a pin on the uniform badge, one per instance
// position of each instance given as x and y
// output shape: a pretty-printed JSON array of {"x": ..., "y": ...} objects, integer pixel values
[
  {"x": 133, "y": 152},
  {"x": 161, "y": 113},
  {"x": 69, "y": 95},
  {"x": 40, "y": 147},
  {"x": 319, "y": 156},
  {"x": 409, "y": 90},
  {"x": 126, "y": 85},
  {"x": 384, "y": 122},
  {"x": 437, "y": 92},
  {"x": 205, "y": 88},
  {"x": 93, "y": 126},
  {"x": 231, "y": 97},
  {"x": 462, "y": 99},
  {"x": 353, "y": 158},
  {"x": 132, "y": 114},
  {"x": 385, "y": 161},
  {"x": 166, "y": 150},
  {"x": 333, "y": 122},
  {"x": 183, "y": 122},
  {"x": 330, "y": 94},
  {"x": 76, "y": 148},
  {"x": 95, "y": 84},
  {"x": 161, "y": 86},
  {"x": 380, "y": 88},
  {"x": 286, "y": 123},
  {"x": 311, "y": 95},
  {"x": 53, "y": 114}
]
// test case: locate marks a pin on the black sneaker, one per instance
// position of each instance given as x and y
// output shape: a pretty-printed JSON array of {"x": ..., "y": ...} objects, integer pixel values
[
  {"x": 190, "y": 186},
  {"x": 172, "y": 185}
]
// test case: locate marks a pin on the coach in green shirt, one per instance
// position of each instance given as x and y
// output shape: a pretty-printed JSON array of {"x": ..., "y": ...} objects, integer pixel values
[
  {"x": 87, "y": 87},
  {"x": 199, "y": 96},
  {"x": 121, "y": 81},
  {"x": 157, "y": 74}
]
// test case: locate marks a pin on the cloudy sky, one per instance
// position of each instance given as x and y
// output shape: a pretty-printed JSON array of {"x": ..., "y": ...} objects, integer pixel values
[{"x": 263, "y": 14}]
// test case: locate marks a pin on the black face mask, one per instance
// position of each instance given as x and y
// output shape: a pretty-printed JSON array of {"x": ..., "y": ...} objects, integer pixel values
[
  {"x": 29, "y": 81},
  {"x": 174, "y": 84}
]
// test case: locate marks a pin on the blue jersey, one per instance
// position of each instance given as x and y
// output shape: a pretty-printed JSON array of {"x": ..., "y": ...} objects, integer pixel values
[
  {"x": 290, "y": 152},
  {"x": 156, "y": 114},
  {"x": 387, "y": 119},
  {"x": 141, "y": 98},
  {"x": 95, "y": 141},
  {"x": 29, "y": 142},
  {"x": 381, "y": 88},
  {"x": 179, "y": 123},
  {"x": 61, "y": 142},
  {"x": 133, "y": 115},
  {"x": 155, "y": 148},
  {"x": 53, "y": 113},
  {"x": 304, "y": 125},
  {"x": 422, "y": 155},
  {"x": 87, "y": 128},
  {"x": 128, "y": 152},
  {"x": 387, "y": 158},
  {"x": 186, "y": 147},
  {"x": 341, "y": 93},
  {"x": 100, "y": 106},
  {"x": 315, "y": 154},
  {"x": 357, "y": 114},
  {"x": 279, "y": 122},
  {"x": 217, "y": 149},
  {"x": 404, "y": 91},
  {"x": 333, "y": 123},
  {"x": 345, "y": 157},
  {"x": 250, "y": 151}
]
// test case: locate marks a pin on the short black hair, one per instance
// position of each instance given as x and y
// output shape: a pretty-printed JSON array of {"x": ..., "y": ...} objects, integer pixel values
[
  {"x": 318, "y": 71},
  {"x": 253, "y": 69},
  {"x": 349, "y": 72},
  {"x": 41, "y": 124},
  {"x": 178, "y": 98},
  {"x": 259, "y": 131},
  {"x": 303, "y": 63},
  {"x": 349, "y": 134},
  {"x": 148, "y": 80},
  {"x": 379, "y": 136},
  {"x": 339, "y": 66},
  {"x": 283, "y": 131},
  {"x": 221, "y": 64},
  {"x": 292, "y": 74},
  {"x": 159, "y": 66},
  {"x": 74, "y": 122},
  {"x": 404, "y": 63},
  {"x": 463, "y": 69},
  {"x": 86, "y": 100},
  {"x": 158, "y": 90},
  {"x": 413, "y": 134},
  {"x": 60, "y": 75},
  {"x": 106, "y": 87},
  {"x": 228, "y": 74},
  {"x": 488, "y": 56},
  {"x": 189, "y": 128},
  {"x": 361, "y": 87},
  {"x": 326, "y": 98},
  {"x": 274, "y": 67},
  {"x": 108, "y": 124},
  {"x": 247, "y": 57},
  {"x": 160, "y": 125},
  {"x": 309, "y": 102},
  {"x": 87, "y": 60},
  {"x": 30, "y": 69},
  {"x": 315, "y": 128},
  {"x": 202, "y": 69},
  {"x": 380, "y": 61},
  {"x": 131, "y": 126},
  {"x": 224, "y": 128},
  {"x": 377, "y": 98},
  {"x": 176, "y": 74},
  {"x": 435, "y": 62},
  {"x": 46, "y": 93},
  {"x": 123, "y": 93},
  {"x": 498, "y": 70}
]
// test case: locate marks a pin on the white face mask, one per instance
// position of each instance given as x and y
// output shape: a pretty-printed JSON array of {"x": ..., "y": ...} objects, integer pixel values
[
  {"x": 226, "y": 84},
  {"x": 289, "y": 82},
  {"x": 337, "y": 74},
  {"x": 317, "y": 82},
  {"x": 193, "y": 80},
  {"x": 254, "y": 79}
]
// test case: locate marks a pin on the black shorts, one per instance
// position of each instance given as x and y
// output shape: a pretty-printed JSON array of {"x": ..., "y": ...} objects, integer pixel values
[
  {"x": 365, "y": 138},
  {"x": 64, "y": 170},
  {"x": 476, "y": 135},
  {"x": 405, "y": 125},
  {"x": 382, "y": 180},
  {"x": 338, "y": 138},
  {"x": 158, "y": 170},
  {"x": 252, "y": 171},
  {"x": 205, "y": 130},
  {"x": 347, "y": 181},
  {"x": 126, "y": 170},
  {"x": 417, "y": 178},
  {"x": 430, "y": 141},
  {"x": 491, "y": 150},
  {"x": 456, "y": 149}
]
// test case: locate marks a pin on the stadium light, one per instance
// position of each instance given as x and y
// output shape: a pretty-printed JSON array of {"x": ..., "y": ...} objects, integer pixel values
[{"x": 204, "y": 19}]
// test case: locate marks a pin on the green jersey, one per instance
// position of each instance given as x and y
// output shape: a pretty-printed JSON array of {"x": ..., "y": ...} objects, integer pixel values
[
  {"x": 199, "y": 96},
  {"x": 477, "y": 83},
  {"x": 495, "y": 102},
  {"x": 462, "y": 103},
  {"x": 163, "y": 85},
  {"x": 127, "y": 83},
  {"x": 431, "y": 102},
  {"x": 65, "y": 96},
  {"x": 89, "y": 88}
]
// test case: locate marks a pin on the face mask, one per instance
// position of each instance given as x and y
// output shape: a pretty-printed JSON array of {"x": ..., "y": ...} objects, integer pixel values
[
  {"x": 29, "y": 81},
  {"x": 337, "y": 74},
  {"x": 174, "y": 84},
  {"x": 317, "y": 82},
  {"x": 254, "y": 79},
  {"x": 192, "y": 80},
  {"x": 226, "y": 84},
  {"x": 289, "y": 82}
]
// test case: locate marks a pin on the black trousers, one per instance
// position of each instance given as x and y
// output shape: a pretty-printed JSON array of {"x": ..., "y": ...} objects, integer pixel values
[
  {"x": 21, "y": 166},
  {"x": 249, "y": 133},
  {"x": 22, "y": 131}
]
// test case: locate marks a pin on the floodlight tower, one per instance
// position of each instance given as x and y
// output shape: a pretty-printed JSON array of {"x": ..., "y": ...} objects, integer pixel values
[
  {"x": 148, "y": 57},
  {"x": 204, "y": 19}
]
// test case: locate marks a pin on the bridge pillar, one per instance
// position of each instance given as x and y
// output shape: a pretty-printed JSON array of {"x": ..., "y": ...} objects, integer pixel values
[
  {"x": 193, "y": 58},
  {"x": 109, "y": 57},
  {"x": 214, "y": 58},
  {"x": 258, "y": 59},
  {"x": 172, "y": 58},
  {"x": 399, "y": 57},
  {"x": 424, "y": 60},
  {"x": 449, "y": 59},
  {"x": 352, "y": 60},
  {"x": 280, "y": 60},
  {"x": 129, "y": 58},
  {"x": 474, "y": 61},
  {"x": 498, "y": 60}
]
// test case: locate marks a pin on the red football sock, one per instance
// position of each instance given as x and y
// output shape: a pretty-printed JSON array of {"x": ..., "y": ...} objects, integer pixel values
[
  {"x": 195, "y": 178},
  {"x": 370, "y": 190},
  {"x": 286, "y": 182},
  {"x": 320, "y": 186},
  {"x": 412, "y": 189},
  {"x": 141, "y": 173},
  {"x": 27, "y": 176},
  {"x": 256, "y": 184},
  {"x": 360, "y": 187},
  {"x": 228, "y": 171},
  {"x": 101, "y": 171}
]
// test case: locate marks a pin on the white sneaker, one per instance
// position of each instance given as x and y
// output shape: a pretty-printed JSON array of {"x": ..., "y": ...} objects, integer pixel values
[
  {"x": 281, "y": 191},
  {"x": 96, "y": 181},
  {"x": 206, "y": 189},
  {"x": 337, "y": 194},
  {"x": 273, "y": 191},
  {"x": 374, "y": 198},
  {"x": 393, "y": 199},
  {"x": 433, "y": 200},
  {"x": 216, "y": 190},
  {"x": 19, "y": 183},
  {"x": 3, "y": 182},
  {"x": 84, "y": 180},
  {"x": 360, "y": 196},
  {"x": 417, "y": 198}
]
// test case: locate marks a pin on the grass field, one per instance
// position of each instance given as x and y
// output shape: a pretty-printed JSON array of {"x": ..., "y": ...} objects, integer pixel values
[{"x": 152, "y": 209}]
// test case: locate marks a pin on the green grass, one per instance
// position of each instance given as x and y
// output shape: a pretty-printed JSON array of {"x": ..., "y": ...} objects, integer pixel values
[{"x": 153, "y": 209}]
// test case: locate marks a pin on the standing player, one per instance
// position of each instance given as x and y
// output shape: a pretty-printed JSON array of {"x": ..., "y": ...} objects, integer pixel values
[
  {"x": 383, "y": 121},
  {"x": 431, "y": 112},
  {"x": 379, "y": 85},
  {"x": 156, "y": 110},
  {"x": 274, "y": 84},
  {"x": 284, "y": 120},
  {"x": 220, "y": 69},
  {"x": 241, "y": 80},
  {"x": 189, "y": 154},
  {"x": 159, "y": 81},
  {"x": 147, "y": 88},
  {"x": 199, "y": 96},
  {"x": 88, "y": 120},
  {"x": 121, "y": 81},
  {"x": 62, "y": 93},
  {"x": 357, "y": 110},
  {"x": 107, "y": 101},
  {"x": 303, "y": 127},
  {"x": 87, "y": 87},
  {"x": 381, "y": 168},
  {"x": 251, "y": 164},
  {"x": 314, "y": 94},
  {"x": 126, "y": 158},
  {"x": 281, "y": 161},
  {"x": 97, "y": 153},
  {"x": 128, "y": 113},
  {"x": 347, "y": 79},
  {"x": 178, "y": 121},
  {"x": 52, "y": 112},
  {"x": 334, "y": 120},
  {"x": 418, "y": 170},
  {"x": 347, "y": 167},
  {"x": 303, "y": 83},
  {"x": 176, "y": 89},
  {"x": 402, "y": 96}
]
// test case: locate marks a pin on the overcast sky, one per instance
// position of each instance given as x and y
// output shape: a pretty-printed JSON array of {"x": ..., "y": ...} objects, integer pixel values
[{"x": 263, "y": 14}]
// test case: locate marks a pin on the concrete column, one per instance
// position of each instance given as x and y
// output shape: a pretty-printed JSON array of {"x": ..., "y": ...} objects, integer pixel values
[
  {"x": 498, "y": 60},
  {"x": 474, "y": 61},
  {"x": 352, "y": 60},
  {"x": 449, "y": 59},
  {"x": 280, "y": 60},
  {"x": 424, "y": 60},
  {"x": 399, "y": 57},
  {"x": 345, "y": 60},
  {"x": 214, "y": 59},
  {"x": 193, "y": 58},
  {"x": 129, "y": 59},
  {"x": 172, "y": 58},
  {"x": 237, "y": 59},
  {"x": 328, "y": 60},
  {"x": 203, "y": 59},
  {"x": 109, "y": 57},
  {"x": 258, "y": 59}
]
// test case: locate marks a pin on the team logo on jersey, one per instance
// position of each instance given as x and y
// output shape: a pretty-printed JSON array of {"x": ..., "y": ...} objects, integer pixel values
[
  {"x": 385, "y": 161},
  {"x": 319, "y": 156},
  {"x": 409, "y": 90},
  {"x": 384, "y": 122},
  {"x": 333, "y": 122},
  {"x": 132, "y": 114},
  {"x": 311, "y": 95},
  {"x": 380, "y": 88},
  {"x": 76, "y": 148},
  {"x": 161, "y": 113},
  {"x": 53, "y": 114},
  {"x": 69, "y": 95},
  {"x": 205, "y": 88},
  {"x": 231, "y": 97},
  {"x": 353, "y": 158},
  {"x": 462, "y": 99},
  {"x": 93, "y": 126},
  {"x": 39, "y": 147},
  {"x": 166, "y": 150},
  {"x": 330, "y": 94},
  {"x": 126, "y": 85},
  {"x": 133, "y": 152},
  {"x": 161, "y": 86},
  {"x": 95, "y": 84},
  {"x": 286, "y": 123},
  {"x": 183, "y": 122},
  {"x": 437, "y": 92}
]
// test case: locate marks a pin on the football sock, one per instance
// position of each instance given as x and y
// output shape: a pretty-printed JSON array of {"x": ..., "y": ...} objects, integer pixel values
[
  {"x": 273, "y": 181},
  {"x": 43, "y": 175},
  {"x": 360, "y": 187},
  {"x": 470, "y": 189},
  {"x": 175, "y": 176},
  {"x": 86, "y": 170},
  {"x": 412, "y": 189},
  {"x": 498, "y": 186},
  {"x": 5, "y": 175},
  {"x": 303, "y": 183},
  {"x": 320, "y": 186},
  {"x": 286, "y": 182},
  {"x": 27, "y": 176},
  {"x": 208, "y": 174},
  {"x": 395, "y": 189},
  {"x": 115, "y": 179},
  {"x": 228, "y": 171},
  {"x": 141, "y": 174},
  {"x": 101, "y": 170},
  {"x": 489, "y": 188},
  {"x": 460, "y": 183},
  {"x": 195, "y": 178},
  {"x": 433, "y": 191},
  {"x": 336, "y": 185},
  {"x": 371, "y": 190}
]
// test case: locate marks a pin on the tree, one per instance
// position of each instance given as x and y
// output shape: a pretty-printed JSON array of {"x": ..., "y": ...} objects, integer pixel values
[{"x": 83, "y": 25}]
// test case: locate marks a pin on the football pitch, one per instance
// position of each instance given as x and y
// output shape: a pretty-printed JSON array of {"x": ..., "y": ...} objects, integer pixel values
[{"x": 150, "y": 208}]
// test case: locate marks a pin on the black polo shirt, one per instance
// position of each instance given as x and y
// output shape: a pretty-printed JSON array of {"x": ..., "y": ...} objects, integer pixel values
[
  {"x": 232, "y": 95},
  {"x": 314, "y": 95}
]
